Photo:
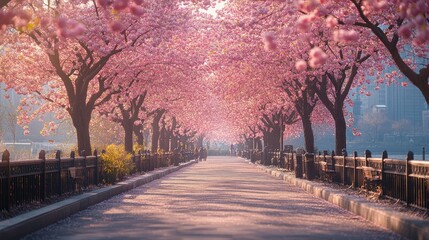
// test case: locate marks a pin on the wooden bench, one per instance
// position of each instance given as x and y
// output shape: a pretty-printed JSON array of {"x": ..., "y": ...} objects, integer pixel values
[
  {"x": 77, "y": 178},
  {"x": 328, "y": 171},
  {"x": 371, "y": 178}
]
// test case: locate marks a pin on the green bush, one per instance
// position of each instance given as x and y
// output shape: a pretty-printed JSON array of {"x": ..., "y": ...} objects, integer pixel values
[{"x": 117, "y": 163}]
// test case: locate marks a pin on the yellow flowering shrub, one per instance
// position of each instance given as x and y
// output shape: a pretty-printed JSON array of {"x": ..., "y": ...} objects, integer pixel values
[
  {"x": 117, "y": 163},
  {"x": 137, "y": 147}
]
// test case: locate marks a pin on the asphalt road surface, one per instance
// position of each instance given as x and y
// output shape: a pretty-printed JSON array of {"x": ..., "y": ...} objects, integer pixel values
[{"x": 222, "y": 198}]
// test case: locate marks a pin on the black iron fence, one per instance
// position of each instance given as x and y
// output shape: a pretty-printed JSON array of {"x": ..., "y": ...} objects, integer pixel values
[
  {"x": 28, "y": 181},
  {"x": 405, "y": 180}
]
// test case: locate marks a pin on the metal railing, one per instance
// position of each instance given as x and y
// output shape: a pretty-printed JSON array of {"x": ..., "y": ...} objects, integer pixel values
[
  {"x": 23, "y": 182},
  {"x": 404, "y": 180}
]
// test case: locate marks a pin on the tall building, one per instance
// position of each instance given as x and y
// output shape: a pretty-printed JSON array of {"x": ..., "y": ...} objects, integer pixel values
[
  {"x": 406, "y": 103},
  {"x": 406, "y": 126},
  {"x": 377, "y": 97},
  {"x": 426, "y": 121},
  {"x": 403, "y": 103}
]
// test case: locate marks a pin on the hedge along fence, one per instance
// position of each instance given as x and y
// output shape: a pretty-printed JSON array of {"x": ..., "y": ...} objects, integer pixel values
[{"x": 27, "y": 181}]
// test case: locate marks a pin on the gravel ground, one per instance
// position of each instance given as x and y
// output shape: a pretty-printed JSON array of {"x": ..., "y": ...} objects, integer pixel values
[{"x": 222, "y": 198}]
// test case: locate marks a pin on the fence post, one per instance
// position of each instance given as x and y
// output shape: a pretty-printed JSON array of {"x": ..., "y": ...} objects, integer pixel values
[
  {"x": 144, "y": 161},
  {"x": 383, "y": 157},
  {"x": 324, "y": 155},
  {"x": 150, "y": 160},
  {"x": 291, "y": 161},
  {"x": 96, "y": 167},
  {"x": 141, "y": 161},
  {"x": 85, "y": 175},
  {"x": 73, "y": 156},
  {"x": 60, "y": 185},
  {"x": 355, "y": 169},
  {"x": 410, "y": 156},
  {"x": 298, "y": 165},
  {"x": 309, "y": 165},
  {"x": 344, "y": 153},
  {"x": 101, "y": 165},
  {"x": 6, "y": 158},
  {"x": 42, "y": 156},
  {"x": 134, "y": 160},
  {"x": 367, "y": 155},
  {"x": 156, "y": 161},
  {"x": 333, "y": 162}
]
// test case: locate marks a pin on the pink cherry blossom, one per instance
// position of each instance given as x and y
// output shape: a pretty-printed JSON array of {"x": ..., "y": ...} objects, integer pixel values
[
  {"x": 104, "y": 3},
  {"x": 304, "y": 23},
  {"x": 300, "y": 65},
  {"x": 137, "y": 10},
  {"x": 331, "y": 21},
  {"x": 345, "y": 36},
  {"x": 317, "y": 57},
  {"x": 308, "y": 5},
  {"x": 405, "y": 31},
  {"x": 356, "y": 132},
  {"x": 116, "y": 26},
  {"x": 120, "y": 4}
]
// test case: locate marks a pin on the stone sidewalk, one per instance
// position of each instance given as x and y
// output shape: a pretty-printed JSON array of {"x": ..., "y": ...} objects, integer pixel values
[
  {"x": 29, "y": 222},
  {"x": 406, "y": 225},
  {"x": 222, "y": 198}
]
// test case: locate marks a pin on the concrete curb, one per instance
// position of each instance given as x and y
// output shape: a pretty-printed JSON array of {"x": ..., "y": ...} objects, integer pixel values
[
  {"x": 405, "y": 225},
  {"x": 27, "y": 223}
]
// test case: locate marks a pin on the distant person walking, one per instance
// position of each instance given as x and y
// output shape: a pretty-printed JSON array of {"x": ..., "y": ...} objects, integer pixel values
[
  {"x": 196, "y": 154},
  {"x": 203, "y": 154},
  {"x": 232, "y": 150}
]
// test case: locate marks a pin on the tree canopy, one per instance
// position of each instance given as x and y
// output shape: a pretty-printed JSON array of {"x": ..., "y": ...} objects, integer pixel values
[{"x": 224, "y": 70}]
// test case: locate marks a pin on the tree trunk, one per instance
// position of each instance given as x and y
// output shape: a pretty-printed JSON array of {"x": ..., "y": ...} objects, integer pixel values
[
  {"x": 265, "y": 139},
  {"x": 271, "y": 140},
  {"x": 340, "y": 133},
  {"x": 81, "y": 120},
  {"x": 258, "y": 143},
  {"x": 155, "y": 129},
  {"x": 308, "y": 133},
  {"x": 275, "y": 138},
  {"x": 138, "y": 132},
  {"x": 163, "y": 140},
  {"x": 170, "y": 137},
  {"x": 155, "y": 136},
  {"x": 128, "y": 141},
  {"x": 174, "y": 144},
  {"x": 200, "y": 142}
]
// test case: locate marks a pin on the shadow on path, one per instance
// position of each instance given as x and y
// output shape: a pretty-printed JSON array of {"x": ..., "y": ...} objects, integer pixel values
[{"x": 222, "y": 198}]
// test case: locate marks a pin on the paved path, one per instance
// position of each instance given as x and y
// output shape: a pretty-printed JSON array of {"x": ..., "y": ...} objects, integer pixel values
[{"x": 222, "y": 198}]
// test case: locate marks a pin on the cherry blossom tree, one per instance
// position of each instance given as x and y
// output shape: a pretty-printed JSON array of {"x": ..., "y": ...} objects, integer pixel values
[
  {"x": 269, "y": 68},
  {"x": 72, "y": 60},
  {"x": 401, "y": 27}
]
